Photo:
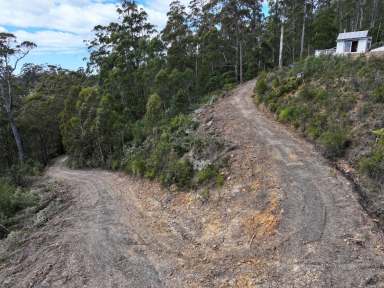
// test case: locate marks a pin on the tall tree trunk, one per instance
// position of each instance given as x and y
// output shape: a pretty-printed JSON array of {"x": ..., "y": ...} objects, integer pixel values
[
  {"x": 356, "y": 23},
  {"x": 8, "y": 108},
  {"x": 281, "y": 46},
  {"x": 237, "y": 53},
  {"x": 361, "y": 14},
  {"x": 374, "y": 13},
  {"x": 303, "y": 30},
  {"x": 16, "y": 135},
  {"x": 196, "y": 71},
  {"x": 241, "y": 62},
  {"x": 339, "y": 16},
  {"x": 43, "y": 150}
]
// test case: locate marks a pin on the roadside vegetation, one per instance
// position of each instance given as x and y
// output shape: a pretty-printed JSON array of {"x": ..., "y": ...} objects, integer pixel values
[{"x": 338, "y": 103}]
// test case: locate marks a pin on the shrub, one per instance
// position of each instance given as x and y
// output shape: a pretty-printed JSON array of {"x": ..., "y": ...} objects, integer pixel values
[
  {"x": 289, "y": 85},
  {"x": 379, "y": 133},
  {"x": 214, "y": 82},
  {"x": 19, "y": 173},
  {"x": 228, "y": 87},
  {"x": 334, "y": 142},
  {"x": 220, "y": 180},
  {"x": 307, "y": 93},
  {"x": 13, "y": 199},
  {"x": 229, "y": 77},
  {"x": 179, "y": 172},
  {"x": 316, "y": 126},
  {"x": 115, "y": 164},
  {"x": 138, "y": 167},
  {"x": 292, "y": 114},
  {"x": 261, "y": 86},
  {"x": 378, "y": 94},
  {"x": 134, "y": 161},
  {"x": 275, "y": 83},
  {"x": 286, "y": 114},
  {"x": 373, "y": 165},
  {"x": 208, "y": 173}
]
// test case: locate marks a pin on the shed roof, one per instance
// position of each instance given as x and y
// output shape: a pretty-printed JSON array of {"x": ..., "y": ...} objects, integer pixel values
[{"x": 353, "y": 35}]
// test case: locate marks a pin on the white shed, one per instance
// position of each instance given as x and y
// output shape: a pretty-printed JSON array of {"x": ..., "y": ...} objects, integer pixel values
[{"x": 353, "y": 42}]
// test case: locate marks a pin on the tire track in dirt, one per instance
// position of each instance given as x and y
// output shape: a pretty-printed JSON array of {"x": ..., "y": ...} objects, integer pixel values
[{"x": 321, "y": 213}]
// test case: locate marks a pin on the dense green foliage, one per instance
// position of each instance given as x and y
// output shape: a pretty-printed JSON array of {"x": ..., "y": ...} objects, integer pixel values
[{"x": 160, "y": 155}]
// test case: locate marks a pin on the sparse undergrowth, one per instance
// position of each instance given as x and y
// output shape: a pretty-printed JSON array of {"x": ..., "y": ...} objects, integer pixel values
[
  {"x": 15, "y": 192},
  {"x": 14, "y": 199},
  {"x": 337, "y": 102},
  {"x": 373, "y": 164},
  {"x": 23, "y": 210}
]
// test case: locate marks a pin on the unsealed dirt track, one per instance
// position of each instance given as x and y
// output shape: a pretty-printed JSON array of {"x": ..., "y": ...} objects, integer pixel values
[{"x": 283, "y": 219}]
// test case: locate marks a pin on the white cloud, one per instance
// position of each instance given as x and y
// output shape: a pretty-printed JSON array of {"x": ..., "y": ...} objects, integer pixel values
[
  {"x": 157, "y": 11},
  {"x": 62, "y": 25},
  {"x": 53, "y": 41},
  {"x": 66, "y": 15}
]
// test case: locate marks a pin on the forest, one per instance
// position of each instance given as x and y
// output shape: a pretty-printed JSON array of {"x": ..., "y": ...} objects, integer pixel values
[{"x": 129, "y": 109}]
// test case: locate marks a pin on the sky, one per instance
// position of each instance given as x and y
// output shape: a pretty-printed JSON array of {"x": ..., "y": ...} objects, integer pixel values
[{"x": 59, "y": 27}]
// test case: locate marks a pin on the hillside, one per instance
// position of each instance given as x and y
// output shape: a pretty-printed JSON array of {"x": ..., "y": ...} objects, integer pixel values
[
  {"x": 283, "y": 218},
  {"x": 196, "y": 146},
  {"x": 338, "y": 103}
]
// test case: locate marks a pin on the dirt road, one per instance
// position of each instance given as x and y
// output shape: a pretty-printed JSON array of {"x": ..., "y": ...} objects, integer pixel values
[{"x": 283, "y": 219}]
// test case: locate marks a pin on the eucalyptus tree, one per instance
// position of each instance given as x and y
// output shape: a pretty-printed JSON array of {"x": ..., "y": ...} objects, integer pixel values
[
  {"x": 11, "y": 54},
  {"x": 177, "y": 37}
]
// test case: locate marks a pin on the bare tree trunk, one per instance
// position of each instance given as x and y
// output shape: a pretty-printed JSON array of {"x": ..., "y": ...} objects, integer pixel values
[
  {"x": 16, "y": 135},
  {"x": 339, "y": 16},
  {"x": 196, "y": 70},
  {"x": 237, "y": 65},
  {"x": 281, "y": 46},
  {"x": 378, "y": 32},
  {"x": 374, "y": 13},
  {"x": 303, "y": 30},
  {"x": 241, "y": 62},
  {"x": 8, "y": 106},
  {"x": 237, "y": 53},
  {"x": 43, "y": 150},
  {"x": 361, "y": 8}
]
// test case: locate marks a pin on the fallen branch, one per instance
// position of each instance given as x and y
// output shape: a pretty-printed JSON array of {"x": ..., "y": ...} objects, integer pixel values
[{"x": 251, "y": 241}]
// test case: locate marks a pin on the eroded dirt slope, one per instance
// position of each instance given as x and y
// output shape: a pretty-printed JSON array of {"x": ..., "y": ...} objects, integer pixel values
[{"x": 283, "y": 219}]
